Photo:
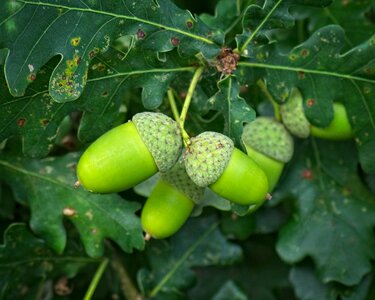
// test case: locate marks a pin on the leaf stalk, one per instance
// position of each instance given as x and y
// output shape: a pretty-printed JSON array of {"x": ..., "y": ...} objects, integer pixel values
[
  {"x": 180, "y": 118},
  {"x": 255, "y": 32},
  {"x": 96, "y": 279},
  {"x": 265, "y": 91}
]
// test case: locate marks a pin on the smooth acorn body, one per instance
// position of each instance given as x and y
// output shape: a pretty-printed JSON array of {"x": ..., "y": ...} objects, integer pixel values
[
  {"x": 294, "y": 119},
  {"x": 112, "y": 163},
  {"x": 170, "y": 202},
  {"x": 271, "y": 167},
  {"x": 338, "y": 129},
  {"x": 130, "y": 153},
  {"x": 242, "y": 181},
  {"x": 165, "y": 211},
  {"x": 212, "y": 161}
]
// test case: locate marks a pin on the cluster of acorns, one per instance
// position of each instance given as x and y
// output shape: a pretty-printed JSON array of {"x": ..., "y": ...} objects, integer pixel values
[{"x": 151, "y": 143}]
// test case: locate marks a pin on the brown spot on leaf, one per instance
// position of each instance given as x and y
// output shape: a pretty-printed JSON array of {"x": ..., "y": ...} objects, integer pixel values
[
  {"x": 189, "y": 24},
  {"x": 301, "y": 75},
  {"x": 21, "y": 122},
  {"x": 346, "y": 191},
  {"x": 293, "y": 57},
  {"x": 75, "y": 41},
  {"x": 140, "y": 34},
  {"x": 44, "y": 122},
  {"x": 310, "y": 102},
  {"x": 175, "y": 41},
  {"x": 307, "y": 174},
  {"x": 369, "y": 71},
  {"x": 305, "y": 52},
  {"x": 31, "y": 77},
  {"x": 345, "y": 2},
  {"x": 101, "y": 67},
  {"x": 62, "y": 287}
]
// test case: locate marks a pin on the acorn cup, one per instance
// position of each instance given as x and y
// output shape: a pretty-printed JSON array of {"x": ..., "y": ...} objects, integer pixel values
[
  {"x": 293, "y": 115},
  {"x": 130, "y": 153},
  {"x": 270, "y": 145},
  {"x": 211, "y": 160},
  {"x": 170, "y": 203},
  {"x": 294, "y": 119}
]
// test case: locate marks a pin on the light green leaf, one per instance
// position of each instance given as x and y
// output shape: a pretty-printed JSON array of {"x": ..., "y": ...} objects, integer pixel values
[{"x": 47, "y": 186}]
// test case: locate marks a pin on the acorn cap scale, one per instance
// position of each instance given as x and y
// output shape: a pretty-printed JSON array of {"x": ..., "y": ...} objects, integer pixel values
[
  {"x": 162, "y": 137},
  {"x": 178, "y": 178},
  {"x": 293, "y": 115},
  {"x": 207, "y": 157},
  {"x": 269, "y": 137}
]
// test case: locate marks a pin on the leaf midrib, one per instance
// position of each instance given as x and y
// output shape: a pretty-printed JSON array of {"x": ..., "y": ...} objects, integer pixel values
[
  {"x": 58, "y": 183},
  {"x": 90, "y": 10},
  {"x": 304, "y": 70},
  {"x": 52, "y": 259},
  {"x": 182, "y": 259}
]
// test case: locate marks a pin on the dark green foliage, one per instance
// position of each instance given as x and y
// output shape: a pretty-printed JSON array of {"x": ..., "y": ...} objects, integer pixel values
[{"x": 70, "y": 70}]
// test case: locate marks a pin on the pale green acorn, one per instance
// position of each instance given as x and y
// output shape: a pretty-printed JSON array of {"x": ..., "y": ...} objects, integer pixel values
[
  {"x": 170, "y": 203},
  {"x": 211, "y": 160},
  {"x": 293, "y": 117},
  {"x": 270, "y": 145},
  {"x": 130, "y": 153}
]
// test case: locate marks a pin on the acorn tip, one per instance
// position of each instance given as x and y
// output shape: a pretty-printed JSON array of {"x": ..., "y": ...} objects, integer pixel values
[{"x": 147, "y": 237}]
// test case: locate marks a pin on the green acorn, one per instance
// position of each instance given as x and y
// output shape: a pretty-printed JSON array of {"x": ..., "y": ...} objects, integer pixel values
[
  {"x": 339, "y": 128},
  {"x": 170, "y": 203},
  {"x": 270, "y": 145},
  {"x": 130, "y": 153},
  {"x": 211, "y": 160},
  {"x": 293, "y": 117}
]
